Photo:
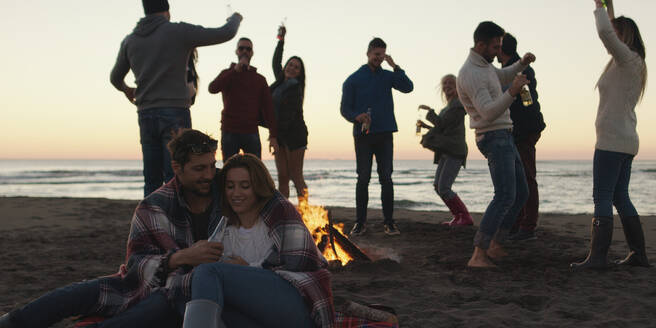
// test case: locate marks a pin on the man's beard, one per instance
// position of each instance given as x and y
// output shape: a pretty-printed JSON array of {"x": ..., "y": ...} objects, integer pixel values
[{"x": 199, "y": 193}]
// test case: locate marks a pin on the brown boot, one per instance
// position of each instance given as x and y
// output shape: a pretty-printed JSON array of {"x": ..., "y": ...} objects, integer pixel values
[
  {"x": 635, "y": 238},
  {"x": 602, "y": 234}
]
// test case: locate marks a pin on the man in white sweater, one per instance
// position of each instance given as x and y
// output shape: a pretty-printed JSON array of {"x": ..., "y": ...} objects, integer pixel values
[{"x": 479, "y": 88}]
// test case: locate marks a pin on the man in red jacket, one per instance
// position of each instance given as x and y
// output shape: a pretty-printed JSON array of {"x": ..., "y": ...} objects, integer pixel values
[{"x": 246, "y": 104}]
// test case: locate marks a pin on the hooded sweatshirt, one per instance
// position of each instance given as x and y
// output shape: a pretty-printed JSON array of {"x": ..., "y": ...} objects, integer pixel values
[{"x": 157, "y": 51}]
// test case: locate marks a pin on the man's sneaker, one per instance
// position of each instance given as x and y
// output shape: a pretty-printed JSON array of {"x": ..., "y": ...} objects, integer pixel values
[
  {"x": 523, "y": 235},
  {"x": 358, "y": 229},
  {"x": 391, "y": 229}
]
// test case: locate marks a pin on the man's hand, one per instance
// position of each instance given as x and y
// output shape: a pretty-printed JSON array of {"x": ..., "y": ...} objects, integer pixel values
[
  {"x": 235, "y": 260},
  {"x": 517, "y": 84},
  {"x": 363, "y": 118},
  {"x": 202, "y": 251},
  {"x": 273, "y": 146},
  {"x": 390, "y": 61},
  {"x": 528, "y": 58},
  {"x": 129, "y": 93},
  {"x": 242, "y": 65},
  {"x": 424, "y": 107}
]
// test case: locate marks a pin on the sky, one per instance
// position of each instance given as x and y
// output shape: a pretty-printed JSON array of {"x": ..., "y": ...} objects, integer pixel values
[{"x": 57, "y": 102}]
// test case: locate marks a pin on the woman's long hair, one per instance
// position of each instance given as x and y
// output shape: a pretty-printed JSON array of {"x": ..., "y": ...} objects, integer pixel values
[
  {"x": 301, "y": 75},
  {"x": 628, "y": 32},
  {"x": 261, "y": 182}
]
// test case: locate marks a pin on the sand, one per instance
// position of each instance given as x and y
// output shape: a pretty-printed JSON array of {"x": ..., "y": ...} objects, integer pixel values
[{"x": 50, "y": 242}]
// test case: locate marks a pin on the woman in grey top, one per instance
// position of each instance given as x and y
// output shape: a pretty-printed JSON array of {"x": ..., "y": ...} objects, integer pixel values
[
  {"x": 621, "y": 86},
  {"x": 447, "y": 140}
]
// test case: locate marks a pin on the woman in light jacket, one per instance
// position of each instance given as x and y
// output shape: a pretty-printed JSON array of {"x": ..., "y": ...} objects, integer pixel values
[{"x": 621, "y": 86}]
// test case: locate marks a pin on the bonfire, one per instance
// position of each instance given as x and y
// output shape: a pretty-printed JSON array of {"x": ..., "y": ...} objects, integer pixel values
[{"x": 330, "y": 238}]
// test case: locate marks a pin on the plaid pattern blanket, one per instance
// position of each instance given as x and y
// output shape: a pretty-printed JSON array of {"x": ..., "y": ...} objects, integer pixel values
[
  {"x": 297, "y": 259},
  {"x": 160, "y": 225}
]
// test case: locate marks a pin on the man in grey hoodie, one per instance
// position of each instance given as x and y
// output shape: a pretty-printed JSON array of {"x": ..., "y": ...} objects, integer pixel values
[{"x": 157, "y": 51}]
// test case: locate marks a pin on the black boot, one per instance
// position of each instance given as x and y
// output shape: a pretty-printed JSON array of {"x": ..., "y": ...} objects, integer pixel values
[
  {"x": 602, "y": 234},
  {"x": 5, "y": 322},
  {"x": 636, "y": 240}
]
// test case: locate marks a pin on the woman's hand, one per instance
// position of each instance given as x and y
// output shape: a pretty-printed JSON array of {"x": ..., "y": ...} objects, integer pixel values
[
  {"x": 282, "y": 30},
  {"x": 235, "y": 260},
  {"x": 424, "y": 107}
]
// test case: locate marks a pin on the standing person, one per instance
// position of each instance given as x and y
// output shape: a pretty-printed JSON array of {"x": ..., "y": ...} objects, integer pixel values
[
  {"x": 246, "y": 104},
  {"x": 288, "y": 92},
  {"x": 168, "y": 238},
  {"x": 621, "y": 86},
  {"x": 447, "y": 139},
  {"x": 367, "y": 102},
  {"x": 528, "y": 124},
  {"x": 479, "y": 88},
  {"x": 271, "y": 273},
  {"x": 158, "y": 52}
]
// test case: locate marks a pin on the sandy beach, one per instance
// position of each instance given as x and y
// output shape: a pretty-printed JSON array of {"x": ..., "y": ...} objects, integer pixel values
[{"x": 50, "y": 242}]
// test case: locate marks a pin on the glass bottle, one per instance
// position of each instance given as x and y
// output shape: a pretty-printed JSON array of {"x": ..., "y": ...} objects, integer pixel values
[
  {"x": 525, "y": 94},
  {"x": 418, "y": 129},
  {"x": 367, "y": 124}
]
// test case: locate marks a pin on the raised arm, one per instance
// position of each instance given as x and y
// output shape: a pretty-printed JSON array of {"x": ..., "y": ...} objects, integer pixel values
[
  {"x": 507, "y": 74},
  {"x": 198, "y": 36},
  {"x": 222, "y": 81},
  {"x": 618, "y": 49},
  {"x": 276, "y": 63}
]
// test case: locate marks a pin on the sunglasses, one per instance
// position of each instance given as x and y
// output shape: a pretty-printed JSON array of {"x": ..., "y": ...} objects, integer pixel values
[
  {"x": 203, "y": 148},
  {"x": 244, "y": 48}
]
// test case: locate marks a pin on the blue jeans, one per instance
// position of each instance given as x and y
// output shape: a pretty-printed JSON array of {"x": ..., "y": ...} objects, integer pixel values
[
  {"x": 445, "y": 175},
  {"x": 156, "y": 128},
  {"x": 510, "y": 187},
  {"x": 231, "y": 143},
  {"x": 382, "y": 146},
  {"x": 249, "y": 296},
  {"x": 611, "y": 173},
  {"x": 81, "y": 298}
]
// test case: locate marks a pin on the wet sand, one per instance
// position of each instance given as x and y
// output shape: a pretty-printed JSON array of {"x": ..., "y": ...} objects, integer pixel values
[{"x": 50, "y": 242}]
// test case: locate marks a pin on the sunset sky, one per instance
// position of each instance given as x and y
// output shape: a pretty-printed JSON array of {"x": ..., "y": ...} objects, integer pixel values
[{"x": 57, "y": 101}]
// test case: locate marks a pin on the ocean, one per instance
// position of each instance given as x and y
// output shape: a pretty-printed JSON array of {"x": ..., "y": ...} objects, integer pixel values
[{"x": 565, "y": 186}]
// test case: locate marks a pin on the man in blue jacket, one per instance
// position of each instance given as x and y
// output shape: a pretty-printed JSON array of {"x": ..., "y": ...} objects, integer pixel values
[{"x": 367, "y": 103}]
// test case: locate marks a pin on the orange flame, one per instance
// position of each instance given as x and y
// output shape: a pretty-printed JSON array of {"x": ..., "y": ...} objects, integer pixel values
[{"x": 316, "y": 220}]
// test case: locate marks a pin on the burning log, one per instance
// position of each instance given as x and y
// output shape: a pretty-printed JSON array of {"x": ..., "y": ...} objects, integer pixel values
[{"x": 348, "y": 246}]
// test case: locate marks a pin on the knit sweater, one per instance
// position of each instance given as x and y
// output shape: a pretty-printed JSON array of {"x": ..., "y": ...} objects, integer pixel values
[
  {"x": 619, "y": 91},
  {"x": 157, "y": 51},
  {"x": 479, "y": 89}
]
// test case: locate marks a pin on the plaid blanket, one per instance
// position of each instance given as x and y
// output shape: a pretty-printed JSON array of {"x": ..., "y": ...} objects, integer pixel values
[
  {"x": 160, "y": 225},
  {"x": 297, "y": 259}
]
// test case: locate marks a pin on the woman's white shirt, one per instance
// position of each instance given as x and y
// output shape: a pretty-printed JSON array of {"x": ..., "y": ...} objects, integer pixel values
[{"x": 253, "y": 245}]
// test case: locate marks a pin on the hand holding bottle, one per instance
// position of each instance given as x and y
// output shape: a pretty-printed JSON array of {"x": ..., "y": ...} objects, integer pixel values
[{"x": 517, "y": 84}]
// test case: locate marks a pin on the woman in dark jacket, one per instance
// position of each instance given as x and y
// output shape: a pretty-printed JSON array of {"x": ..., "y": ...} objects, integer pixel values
[
  {"x": 447, "y": 140},
  {"x": 288, "y": 92}
]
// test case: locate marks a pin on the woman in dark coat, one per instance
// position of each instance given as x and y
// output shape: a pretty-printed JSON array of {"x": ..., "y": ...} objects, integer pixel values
[
  {"x": 288, "y": 92},
  {"x": 447, "y": 139}
]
